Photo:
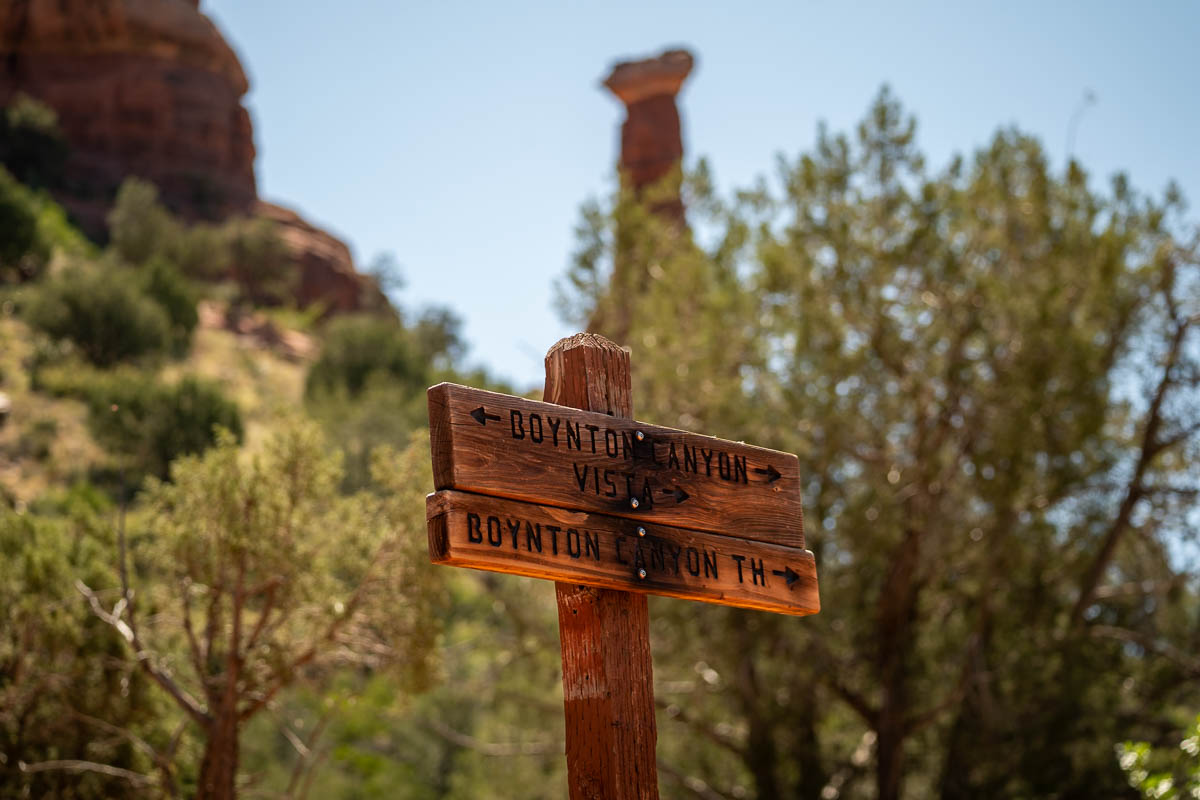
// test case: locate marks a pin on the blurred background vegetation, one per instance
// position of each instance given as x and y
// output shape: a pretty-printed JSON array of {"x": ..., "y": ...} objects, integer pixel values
[{"x": 211, "y": 533}]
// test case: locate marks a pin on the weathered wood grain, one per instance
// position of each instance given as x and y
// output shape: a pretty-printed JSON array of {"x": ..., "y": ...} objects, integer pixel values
[
  {"x": 608, "y": 675},
  {"x": 491, "y": 533},
  {"x": 544, "y": 453}
]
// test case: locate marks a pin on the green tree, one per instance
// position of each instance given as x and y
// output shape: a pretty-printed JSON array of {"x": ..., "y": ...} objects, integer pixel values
[
  {"x": 23, "y": 254},
  {"x": 259, "y": 263},
  {"x": 150, "y": 424},
  {"x": 164, "y": 284},
  {"x": 102, "y": 312},
  {"x": 139, "y": 226},
  {"x": 258, "y": 574},
  {"x": 75, "y": 720},
  {"x": 142, "y": 230},
  {"x": 32, "y": 145},
  {"x": 990, "y": 376},
  {"x": 368, "y": 385}
]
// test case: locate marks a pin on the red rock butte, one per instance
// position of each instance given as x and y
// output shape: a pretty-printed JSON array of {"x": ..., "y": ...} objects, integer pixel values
[
  {"x": 141, "y": 87},
  {"x": 151, "y": 88},
  {"x": 651, "y": 136}
]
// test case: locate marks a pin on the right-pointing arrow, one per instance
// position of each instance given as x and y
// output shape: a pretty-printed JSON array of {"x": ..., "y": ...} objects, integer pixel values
[
  {"x": 771, "y": 473},
  {"x": 788, "y": 574},
  {"x": 679, "y": 494}
]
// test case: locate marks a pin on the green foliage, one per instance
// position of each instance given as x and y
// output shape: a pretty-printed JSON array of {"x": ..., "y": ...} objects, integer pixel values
[
  {"x": 247, "y": 251},
  {"x": 64, "y": 692},
  {"x": 103, "y": 313},
  {"x": 140, "y": 227},
  {"x": 357, "y": 348},
  {"x": 267, "y": 560},
  {"x": 32, "y": 146},
  {"x": 259, "y": 263},
  {"x": 145, "y": 422},
  {"x": 1160, "y": 774},
  {"x": 32, "y": 228},
  {"x": 368, "y": 385},
  {"x": 23, "y": 254},
  {"x": 967, "y": 364},
  {"x": 164, "y": 284},
  {"x": 151, "y": 424}
]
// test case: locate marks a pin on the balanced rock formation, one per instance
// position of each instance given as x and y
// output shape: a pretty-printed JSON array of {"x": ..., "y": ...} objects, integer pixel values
[
  {"x": 650, "y": 166},
  {"x": 651, "y": 136},
  {"x": 141, "y": 87},
  {"x": 151, "y": 88}
]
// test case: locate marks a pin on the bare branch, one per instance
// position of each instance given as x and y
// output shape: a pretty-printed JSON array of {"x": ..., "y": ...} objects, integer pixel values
[
  {"x": 1189, "y": 663},
  {"x": 180, "y": 695},
  {"x": 697, "y": 787},
  {"x": 162, "y": 762},
  {"x": 268, "y": 606},
  {"x": 677, "y": 713},
  {"x": 1151, "y": 446},
  {"x": 494, "y": 749},
  {"x": 75, "y": 765}
]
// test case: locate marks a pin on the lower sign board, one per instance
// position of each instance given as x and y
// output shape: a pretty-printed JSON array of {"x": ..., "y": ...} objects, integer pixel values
[{"x": 502, "y": 535}]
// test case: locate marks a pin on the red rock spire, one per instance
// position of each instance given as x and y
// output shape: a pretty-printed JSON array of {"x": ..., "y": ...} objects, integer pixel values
[{"x": 651, "y": 136}]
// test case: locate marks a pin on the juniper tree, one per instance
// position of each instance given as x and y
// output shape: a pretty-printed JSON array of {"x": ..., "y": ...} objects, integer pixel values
[
  {"x": 259, "y": 574},
  {"x": 990, "y": 375}
]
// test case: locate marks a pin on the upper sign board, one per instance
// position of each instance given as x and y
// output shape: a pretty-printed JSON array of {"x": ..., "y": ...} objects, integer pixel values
[{"x": 505, "y": 446}]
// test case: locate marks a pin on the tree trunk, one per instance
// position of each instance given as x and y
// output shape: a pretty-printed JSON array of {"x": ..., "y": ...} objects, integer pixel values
[
  {"x": 894, "y": 626},
  {"x": 812, "y": 777},
  {"x": 219, "y": 767}
]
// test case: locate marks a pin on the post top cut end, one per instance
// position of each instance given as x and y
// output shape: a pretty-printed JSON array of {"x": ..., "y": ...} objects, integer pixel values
[
  {"x": 588, "y": 340},
  {"x": 664, "y": 74}
]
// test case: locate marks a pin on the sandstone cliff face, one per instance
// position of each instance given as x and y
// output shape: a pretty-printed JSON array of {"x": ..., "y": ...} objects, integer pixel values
[
  {"x": 141, "y": 87},
  {"x": 151, "y": 88},
  {"x": 327, "y": 273}
]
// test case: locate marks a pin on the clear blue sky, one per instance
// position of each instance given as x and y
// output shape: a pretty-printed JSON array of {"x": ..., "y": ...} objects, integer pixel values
[{"x": 462, "y": 137}]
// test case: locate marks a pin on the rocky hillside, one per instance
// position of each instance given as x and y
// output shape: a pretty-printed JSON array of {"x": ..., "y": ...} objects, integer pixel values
[{"x": 150, "y": 88}]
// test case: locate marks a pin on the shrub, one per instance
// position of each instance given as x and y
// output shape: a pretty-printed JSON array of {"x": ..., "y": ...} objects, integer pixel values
[
  {"x": 151, "y": 423},
  {"x": 107, "y": 318},
  {"x": 164, "y": 284},
  {"x": 23, "y": 252},
  {"x": 259, "y": 263},
  {"x": 139, "y": 227},
  {"x": 31, "y": 144},
  {"x": 358, "y": 348}
]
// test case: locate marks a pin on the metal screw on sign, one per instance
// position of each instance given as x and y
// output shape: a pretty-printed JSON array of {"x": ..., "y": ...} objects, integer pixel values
[
  {"x": 633, "y": 502},
  {"x": 640, "y": 436},
  {"x": 641, "y": 531},
  {"x": 642, "y": 574}
]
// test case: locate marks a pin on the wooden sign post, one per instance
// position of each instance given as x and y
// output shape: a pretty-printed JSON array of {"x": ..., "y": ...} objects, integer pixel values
[{"x": 573, "y": 490}]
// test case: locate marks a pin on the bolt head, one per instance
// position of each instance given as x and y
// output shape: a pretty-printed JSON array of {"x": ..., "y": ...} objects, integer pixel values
[
  {"x": 641, "y": 573},
  {"x": 633, "y": 502},
  {"x": 640, "y": 436},
  {"x": 641, "y": 531}
]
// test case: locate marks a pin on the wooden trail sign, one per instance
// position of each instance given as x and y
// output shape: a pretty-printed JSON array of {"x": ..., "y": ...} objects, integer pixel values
[{"x": 575, "y": 491}]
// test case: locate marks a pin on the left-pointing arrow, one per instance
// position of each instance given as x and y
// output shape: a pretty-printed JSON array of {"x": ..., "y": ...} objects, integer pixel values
[{"x": 482, "y": 416}]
